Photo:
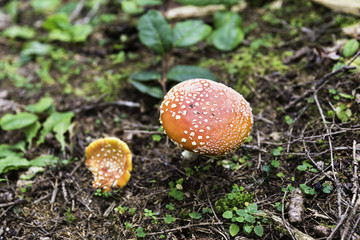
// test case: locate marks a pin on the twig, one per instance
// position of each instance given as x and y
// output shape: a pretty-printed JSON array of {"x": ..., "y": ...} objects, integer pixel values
[
  {"x": 338, "y": 225},
  {"x": 216, "y": 217},
  {"x": 259, "y": 145},
  {"x": 355, "y": 205},
  {"x": 331, "y": 156},
  {"x": 184, "y": 227},
  {"x": 77, "y": 10},
  {"x": 53, "y": 196},
  {"x": 120, "y": 103}
]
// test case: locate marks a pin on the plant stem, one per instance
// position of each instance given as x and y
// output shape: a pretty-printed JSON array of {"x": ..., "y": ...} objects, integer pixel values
[{"x": 164, "y": 72}]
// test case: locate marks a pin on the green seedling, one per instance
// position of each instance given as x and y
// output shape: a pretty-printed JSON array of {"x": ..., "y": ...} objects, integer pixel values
[
  {"x": 175, "y": 190},
  {"x": 156, "y": 33},
  {"x": 250, "y": 217}
]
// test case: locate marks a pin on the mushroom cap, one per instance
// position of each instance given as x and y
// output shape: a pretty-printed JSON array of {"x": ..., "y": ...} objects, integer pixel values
[
  {"x": 206, "y": 117},
  {"x": 109, "y": 160}
]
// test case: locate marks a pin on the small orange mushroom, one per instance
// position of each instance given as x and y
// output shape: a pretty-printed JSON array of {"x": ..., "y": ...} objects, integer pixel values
[{"x": 109, "y": 160}]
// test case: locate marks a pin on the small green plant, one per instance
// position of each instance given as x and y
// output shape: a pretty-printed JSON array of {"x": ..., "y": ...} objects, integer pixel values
[
  {"x": 170, "y": 206},
  {"x": 343, "y": 113},
  {"x": 169, "y": 219},
  {"x": 69, "y": 216},
  {"x": 250, "y": 217},
  {"x": 307, "y": 190},
  {"x": 156, "y": 33},
  {"x": 289, "y": 120},
  {"x": 237, "y": 198},
  {"x": 175, "y": 189},
  {"x": 120, "y": 209},
  {"x": 100, "y": 193},
  {"x": 149, "y": 213},
  {"x": 140, "y": 232},
  {"x": 277, "y": 151},
  {"x": 306, "y": 166},
  {"x": 195, "y": 215}
]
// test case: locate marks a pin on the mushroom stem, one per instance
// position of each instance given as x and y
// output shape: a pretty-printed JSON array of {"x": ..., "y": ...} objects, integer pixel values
[{"x": 189, "y": 156}]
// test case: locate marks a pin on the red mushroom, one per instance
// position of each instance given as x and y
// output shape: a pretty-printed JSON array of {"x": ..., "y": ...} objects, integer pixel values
[
  {"x": 109, "y": 160},
  {"x": 206, "y": 117}
]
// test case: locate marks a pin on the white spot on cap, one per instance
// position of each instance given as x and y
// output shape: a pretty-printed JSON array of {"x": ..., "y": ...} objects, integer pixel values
[{"x": 183, "y": 140}]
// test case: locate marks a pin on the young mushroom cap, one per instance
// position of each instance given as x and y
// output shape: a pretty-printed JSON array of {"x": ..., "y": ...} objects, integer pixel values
[
  {"x": 109, "y": 160},
  {"x": 206, "y": 117}
]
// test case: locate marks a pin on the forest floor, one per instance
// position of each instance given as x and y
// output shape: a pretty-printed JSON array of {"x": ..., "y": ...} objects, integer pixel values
[{"x": 304, "y": 145}]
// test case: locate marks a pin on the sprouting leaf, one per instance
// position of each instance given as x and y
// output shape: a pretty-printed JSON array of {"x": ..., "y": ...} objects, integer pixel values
[
  {"x": 57, "y": 122},
  {"x": 62, "y": 126},
  {"x": 195, "y": 215},
  {"x": 41, "y": 106},
  {"x": 80, "y": 32},
  {"x": 145, "y": 76},
  {"x": 131, "y": 7},
  {"x": 350, "y": 48},
  {"x": 19, "y": 32},
  {"x": 228, "y": 34},
  {"x": 35, "y": 48},
  {"x": 154, "y": 91},
  {"x": 289, "y": 120},
  {"x": 31, "y": 132},
  {"x": 155, "y": 32},
  {"x": 199, "y": 2},
  {"x": 184, "y": 72},
  {"x": 258, "y": 229},
  {"x": 234, "y": 229},
  {"x": 45, "y": 6},
  {"x": 169, "y": 218},
  {"x": 12, "y": 162},
  {"x": 57, "y": 21},
  {"x": 42, "y": 161},
  {"x": 190, "y": 32},
  {"x": 343, "y": 113},
  {"x": 247, "y": 228},
  {"x": 17, "y": 121},
  {"x": 227, "y": 214}
]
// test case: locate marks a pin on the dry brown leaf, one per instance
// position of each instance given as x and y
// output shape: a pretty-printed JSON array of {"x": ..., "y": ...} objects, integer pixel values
[{"x": 345, "y": 6}]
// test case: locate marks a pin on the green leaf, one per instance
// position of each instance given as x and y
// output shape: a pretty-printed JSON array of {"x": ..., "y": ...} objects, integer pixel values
[
  {"x": 301, "y": 167},
  {"x": 232, "y": 19},
  {"x": 343, "y": 113},
  {"x": 350, "y": 48},
  {"x": 31, "y": 131},
  {"x": 247, "y": 228},
  {"x": 153, "y": 91},
  {"x": 259, "y": 231},
  {"x": 12, "y": 162},
  {"x": 228, "y": 34},
  {"x": 59, "y": 21},
  {"x": 62, "y": 126},
  {"x": 31, "y": 172},
  {"x": 11, "y": 8},
  {"x": 140, "y": 232},
  {"x": 289, "y": 120},
  {"x": 155, "y": 32},
  {"x": 57, "y": 122},
  {"x": 131, "y": 7},
  {"x": 227, "y": 38},
  {"x": 80, "y": 32},
  {"x": 45, "y": 6},
  {"x": 148, "y": 2},
  {"x": 347, "y": 96},
  {"x": 145, "y": 76},
  {"x": 169, "y": 218},
  {"x": 41, "y": 106},
  {"x": 35, "y": 48},
  {"x": 190, "y": 32},
  {"x": 19, "y": 32},
  {"x": 234, "y": 229},
  {"x": 17, "y": 121},
  {"x": 59, "y": 35},
  {"x": 185, "y": 72},
  {"x": 43, "y": 161},
  {"x": 195, "y": 215},
  {"x": 199, "y": 2},
  {"x": 252, "y": 208},
  {"x": 307, "y": 190},
  {"x": 227, "y": 214}
]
